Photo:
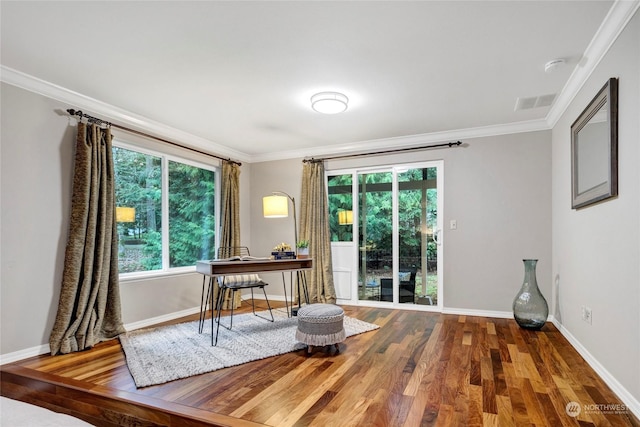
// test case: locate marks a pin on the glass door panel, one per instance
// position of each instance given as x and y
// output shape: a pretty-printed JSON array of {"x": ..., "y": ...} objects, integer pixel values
[
  {"x": 417, "y": 279},
  {"x": 375, "y": 236}
]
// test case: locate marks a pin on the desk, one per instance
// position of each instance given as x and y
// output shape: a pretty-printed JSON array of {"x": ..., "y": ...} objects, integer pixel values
[
  {"x": 213, "y": 269},
  {"x": 226, "y": 268}
]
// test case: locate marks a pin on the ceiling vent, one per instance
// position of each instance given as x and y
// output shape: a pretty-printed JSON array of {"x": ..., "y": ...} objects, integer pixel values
[{"x": 534, "y": 102}]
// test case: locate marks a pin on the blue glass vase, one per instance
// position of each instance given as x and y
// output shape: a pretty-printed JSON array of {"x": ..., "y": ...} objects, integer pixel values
[{"x": 530, "y": 309}]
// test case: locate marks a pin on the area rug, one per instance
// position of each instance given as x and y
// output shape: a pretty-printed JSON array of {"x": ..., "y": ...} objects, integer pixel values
[{"x": 167, "y": 353}]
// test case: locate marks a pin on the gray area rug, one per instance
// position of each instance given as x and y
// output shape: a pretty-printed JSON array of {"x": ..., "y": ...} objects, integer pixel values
[{"x": 167, "y": 353}]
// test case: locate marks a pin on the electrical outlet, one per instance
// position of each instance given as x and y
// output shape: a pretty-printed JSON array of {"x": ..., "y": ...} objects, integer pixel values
[{"x": 586, "y": 314}]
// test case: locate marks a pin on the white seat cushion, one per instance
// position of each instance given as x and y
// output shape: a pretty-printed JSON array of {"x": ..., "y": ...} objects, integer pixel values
[{"x": 239, "y": 280}]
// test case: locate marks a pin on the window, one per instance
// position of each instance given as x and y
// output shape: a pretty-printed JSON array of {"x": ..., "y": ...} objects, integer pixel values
[
  {"x": 191, "y": 214},
  {"x": 165, "y": 211}
]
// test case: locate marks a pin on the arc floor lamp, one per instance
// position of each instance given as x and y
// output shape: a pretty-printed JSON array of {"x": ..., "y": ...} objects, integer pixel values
[{"x": 277, "y": 206}]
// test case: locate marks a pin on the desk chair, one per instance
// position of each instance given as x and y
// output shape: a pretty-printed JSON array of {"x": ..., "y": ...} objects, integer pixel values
[{"x": 235, "y": 283}]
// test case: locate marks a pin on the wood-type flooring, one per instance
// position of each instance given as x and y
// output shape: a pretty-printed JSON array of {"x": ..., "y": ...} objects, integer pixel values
[{"x": 418, "y": 369}]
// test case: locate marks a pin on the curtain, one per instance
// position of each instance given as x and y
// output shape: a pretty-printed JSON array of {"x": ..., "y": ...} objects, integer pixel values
[
  {"x": 89, "y": 304},
  {"x": 230, "y": 216},
  {"x": 314, "y": 226}
]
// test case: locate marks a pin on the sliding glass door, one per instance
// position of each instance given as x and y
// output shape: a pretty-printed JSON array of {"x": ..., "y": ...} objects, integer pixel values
[{"x": 393, "y": 244}]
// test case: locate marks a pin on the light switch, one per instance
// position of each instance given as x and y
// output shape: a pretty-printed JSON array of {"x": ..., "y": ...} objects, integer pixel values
[{"x": 453, "y": 224}]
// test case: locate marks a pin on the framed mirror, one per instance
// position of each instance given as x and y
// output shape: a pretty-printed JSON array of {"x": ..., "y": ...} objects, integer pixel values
[{"x": 594, "y": 149}]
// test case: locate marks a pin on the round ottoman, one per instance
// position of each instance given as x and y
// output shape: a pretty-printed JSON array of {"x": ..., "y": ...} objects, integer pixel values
[{"x": 320, "y": 325}]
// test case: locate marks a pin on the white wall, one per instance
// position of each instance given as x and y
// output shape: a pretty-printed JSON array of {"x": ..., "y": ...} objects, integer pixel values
[
  {"x": 266, "y": 177},
  {"x": 36, "y": 184},
  {"x": 596, "y": 250},
  {"x": 497, "y": 188}
]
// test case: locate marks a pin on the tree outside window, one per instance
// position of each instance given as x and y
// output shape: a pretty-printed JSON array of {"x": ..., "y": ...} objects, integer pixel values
[{"x": 190, "y": 212}]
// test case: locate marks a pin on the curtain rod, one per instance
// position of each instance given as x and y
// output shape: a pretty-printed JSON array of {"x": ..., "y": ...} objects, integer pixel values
[
  {"x": 375, "y": 153},
  {"x": 98, "y": 121}
]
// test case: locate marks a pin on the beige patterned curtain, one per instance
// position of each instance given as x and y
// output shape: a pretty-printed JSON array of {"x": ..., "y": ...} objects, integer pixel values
[
  {"x": 314, "y": 226},
  {"x": 230, "y": 215},
  {"x": 89, "y": 305}
]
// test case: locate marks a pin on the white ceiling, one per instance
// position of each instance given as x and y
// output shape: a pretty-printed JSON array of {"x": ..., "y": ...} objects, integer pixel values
[{"x": 239, "y": 75}]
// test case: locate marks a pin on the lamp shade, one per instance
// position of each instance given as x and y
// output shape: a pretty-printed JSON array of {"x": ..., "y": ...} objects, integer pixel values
[
  {"x": 275, "y": 206},
  {"x": 345, "y": 217},
  {"x": 125, "y": 214}
]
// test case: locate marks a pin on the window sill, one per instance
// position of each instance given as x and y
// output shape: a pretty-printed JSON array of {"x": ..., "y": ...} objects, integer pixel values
[{"x": 148, "y": 275}]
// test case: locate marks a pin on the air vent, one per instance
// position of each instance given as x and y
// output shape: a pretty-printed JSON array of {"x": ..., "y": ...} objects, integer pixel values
[{"x": 534, "y": 102}]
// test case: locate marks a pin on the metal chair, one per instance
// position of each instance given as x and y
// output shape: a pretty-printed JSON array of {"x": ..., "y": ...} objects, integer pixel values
[
  {"x": 407, "y": 291},
  {"x": 236, "y": 283}
]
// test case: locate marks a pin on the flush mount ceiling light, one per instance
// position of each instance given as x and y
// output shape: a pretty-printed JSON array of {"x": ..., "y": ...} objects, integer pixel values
[{"x": 329, "y": 102}]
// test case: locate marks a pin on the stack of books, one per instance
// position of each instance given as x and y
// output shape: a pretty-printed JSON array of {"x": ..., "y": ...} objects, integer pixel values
[{"x": 284, "y": 255}]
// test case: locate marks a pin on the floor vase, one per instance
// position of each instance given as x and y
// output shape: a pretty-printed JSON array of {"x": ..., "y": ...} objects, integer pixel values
[{"x": 530, "y": 309}]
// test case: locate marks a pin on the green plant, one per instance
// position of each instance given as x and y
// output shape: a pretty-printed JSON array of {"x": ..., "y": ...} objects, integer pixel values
[{"x": 302, "y": 244}]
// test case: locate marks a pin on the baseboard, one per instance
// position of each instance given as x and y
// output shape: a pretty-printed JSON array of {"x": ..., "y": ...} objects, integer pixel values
[
  {"x": 480, "y": 313},
  {"x": 625, "y": 396},
  {"x": 45, "y": 349},
  {"x": 160, "y": 319},
  {"x": 24, "y": 354},
  {"x": 260, "y": 296}
]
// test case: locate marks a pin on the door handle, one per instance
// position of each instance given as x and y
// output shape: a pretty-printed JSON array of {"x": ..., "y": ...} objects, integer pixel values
[{"x": 436, "y": 236}]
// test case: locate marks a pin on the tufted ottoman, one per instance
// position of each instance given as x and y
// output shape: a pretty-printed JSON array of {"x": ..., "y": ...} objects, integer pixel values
[{"x": 320, "y": 325}]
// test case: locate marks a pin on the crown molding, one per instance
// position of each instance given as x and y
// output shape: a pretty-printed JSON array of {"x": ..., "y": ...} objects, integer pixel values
[
  {"x": 115, "y": 114},
  {"x": 144, "y": 124},
  {"x": 408, "y": 141},
  {"x": 613, "y": 24}
]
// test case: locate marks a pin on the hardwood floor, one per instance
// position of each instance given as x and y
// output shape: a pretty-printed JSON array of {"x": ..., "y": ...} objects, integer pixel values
[{"x": 417, "y": 369}]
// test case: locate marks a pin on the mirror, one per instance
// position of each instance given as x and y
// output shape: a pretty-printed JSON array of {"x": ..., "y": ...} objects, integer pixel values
[{"x": 594, "y": 149}]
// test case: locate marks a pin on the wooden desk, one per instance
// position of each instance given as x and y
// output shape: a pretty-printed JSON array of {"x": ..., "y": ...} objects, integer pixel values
[
  {"x": 214, "y": 268},
  {"x": 226, "y": 268}
]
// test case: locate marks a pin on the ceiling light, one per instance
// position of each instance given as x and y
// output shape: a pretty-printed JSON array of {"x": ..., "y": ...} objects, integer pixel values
[{"x": 329, "y": 102}]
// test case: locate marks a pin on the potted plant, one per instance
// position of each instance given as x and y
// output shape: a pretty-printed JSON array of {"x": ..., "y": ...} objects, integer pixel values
[{"x": 303, "y": 248}]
